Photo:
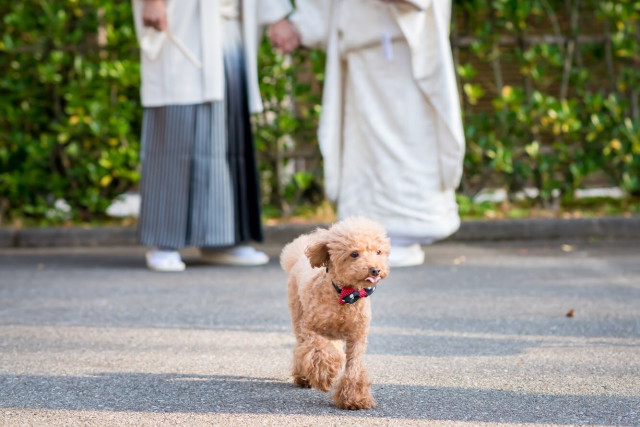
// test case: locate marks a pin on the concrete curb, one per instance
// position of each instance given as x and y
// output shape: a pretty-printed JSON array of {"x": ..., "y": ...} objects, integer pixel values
[
  {"x": 545, "y": 229},
  {"x": 75, "y": 237},
  {"x": 513, "y": 229}
]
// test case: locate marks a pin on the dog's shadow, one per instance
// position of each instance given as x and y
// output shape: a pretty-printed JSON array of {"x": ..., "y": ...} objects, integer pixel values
[{"x": 183, "y": 393}]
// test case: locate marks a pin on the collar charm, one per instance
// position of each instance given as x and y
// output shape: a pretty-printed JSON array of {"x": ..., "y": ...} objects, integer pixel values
[{"x": 351, "y": 295}]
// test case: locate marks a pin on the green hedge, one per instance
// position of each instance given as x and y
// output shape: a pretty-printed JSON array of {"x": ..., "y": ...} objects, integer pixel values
[
  {"x": 69, "y": 111},
  {"x": 549, "y": 93},
  {"x": 569, "y": 113}
]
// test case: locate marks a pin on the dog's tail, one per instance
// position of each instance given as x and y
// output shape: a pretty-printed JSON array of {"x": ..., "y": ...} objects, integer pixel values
[{"x": 293, "y": 251}]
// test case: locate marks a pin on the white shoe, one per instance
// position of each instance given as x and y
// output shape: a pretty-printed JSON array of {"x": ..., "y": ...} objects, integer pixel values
[
  {"x": 238, "y": 255},
  {"x": 406, "y": 256},
  {"x": 158, "y": 260}
]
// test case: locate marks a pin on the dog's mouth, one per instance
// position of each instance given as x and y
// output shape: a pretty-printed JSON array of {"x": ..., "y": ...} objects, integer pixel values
[{"x": 373, "y": 279}]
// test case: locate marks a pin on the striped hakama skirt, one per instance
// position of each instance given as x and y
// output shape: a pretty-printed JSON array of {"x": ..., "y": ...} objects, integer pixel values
[{"x": 199, "y": 184}]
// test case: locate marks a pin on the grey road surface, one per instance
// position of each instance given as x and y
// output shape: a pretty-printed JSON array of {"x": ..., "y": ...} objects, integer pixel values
[{"x": 480, "y": 334}]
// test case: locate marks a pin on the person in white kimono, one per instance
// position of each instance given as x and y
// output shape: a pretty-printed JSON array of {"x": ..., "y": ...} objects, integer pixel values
[
  {"x": 390, "y": 131},
  {"x": 199, "y": 184}
]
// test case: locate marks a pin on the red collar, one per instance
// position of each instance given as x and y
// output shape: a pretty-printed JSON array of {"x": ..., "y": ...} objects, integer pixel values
[{"x": 351, "y": 295}]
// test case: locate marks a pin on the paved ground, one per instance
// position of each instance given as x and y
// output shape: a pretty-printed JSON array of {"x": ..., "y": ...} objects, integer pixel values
[{"x": 479, "y": 334}]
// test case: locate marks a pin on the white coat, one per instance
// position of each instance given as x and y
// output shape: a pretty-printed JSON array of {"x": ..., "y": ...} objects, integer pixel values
[
  {"x": 425, "y": 26},
  {"x": 169, "y": 78}
]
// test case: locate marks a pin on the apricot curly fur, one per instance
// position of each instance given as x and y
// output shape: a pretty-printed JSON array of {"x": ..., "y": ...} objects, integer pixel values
[{"x": 332, "y": 338}]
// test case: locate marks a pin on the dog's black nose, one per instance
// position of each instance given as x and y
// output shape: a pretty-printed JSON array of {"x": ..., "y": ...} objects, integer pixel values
[{"x": 374, "y": 271}]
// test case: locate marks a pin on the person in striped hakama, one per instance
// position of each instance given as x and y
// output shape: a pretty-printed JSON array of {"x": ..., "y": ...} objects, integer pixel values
[{"x": 199, "y": 184}]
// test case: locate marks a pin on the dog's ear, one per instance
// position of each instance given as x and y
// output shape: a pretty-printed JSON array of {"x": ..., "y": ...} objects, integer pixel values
[{"x": 317, "y": 251}]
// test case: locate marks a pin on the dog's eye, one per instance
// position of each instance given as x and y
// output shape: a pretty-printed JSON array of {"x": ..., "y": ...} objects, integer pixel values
[
  {"x": 355, "y": 254},
  {"x": 378, "y": 252}
]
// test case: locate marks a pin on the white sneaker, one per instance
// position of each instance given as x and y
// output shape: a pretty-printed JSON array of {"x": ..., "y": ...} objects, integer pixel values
[
  {"x": 158, "y": 260},
  {"x": 406, "y": 256},
  {"x": 238, "y": 255}
]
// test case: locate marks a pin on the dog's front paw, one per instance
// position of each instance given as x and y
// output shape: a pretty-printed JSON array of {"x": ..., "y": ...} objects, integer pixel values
[
  {"x": 324, "y": 371},
  {"x": 318, "y": 364},
  {"x": 365, "y": 401},
  {"x": 353, "y": 393}
]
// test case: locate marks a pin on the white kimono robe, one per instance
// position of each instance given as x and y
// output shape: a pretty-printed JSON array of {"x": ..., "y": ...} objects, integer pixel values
[
  {"x": 169, "y": 78},
  {"x": 391, "y": 130}
]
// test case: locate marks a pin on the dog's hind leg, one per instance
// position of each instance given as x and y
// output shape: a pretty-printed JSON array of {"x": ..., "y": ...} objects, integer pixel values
[
  {"x": 299, "y": 377},
  {"x": 317, "y": 362},
  {"x": 295, "y": 309}
]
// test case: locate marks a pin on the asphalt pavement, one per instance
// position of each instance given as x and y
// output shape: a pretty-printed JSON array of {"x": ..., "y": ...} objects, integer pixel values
[{"x": 543, "y": 332}]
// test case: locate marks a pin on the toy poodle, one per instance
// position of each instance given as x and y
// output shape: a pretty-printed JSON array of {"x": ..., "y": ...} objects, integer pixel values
[{"x": 331, "y": 274}]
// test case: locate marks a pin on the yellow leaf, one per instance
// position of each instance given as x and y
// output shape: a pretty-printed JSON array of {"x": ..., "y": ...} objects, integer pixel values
[
  {"x": 615, "y": 144},
  {"x": 106, "y": 180}
]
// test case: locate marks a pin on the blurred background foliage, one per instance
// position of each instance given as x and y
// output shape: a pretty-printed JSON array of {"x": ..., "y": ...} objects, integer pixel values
[
  {"x": 549, "y": 89},
  {"x": 69, "y": 109},
  {"x": 550, "y": 95}
]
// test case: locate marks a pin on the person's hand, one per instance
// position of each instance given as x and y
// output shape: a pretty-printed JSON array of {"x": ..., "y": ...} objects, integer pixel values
[
  {"x": 154, "y": 14},
  {"x": 283, "y": 35}
]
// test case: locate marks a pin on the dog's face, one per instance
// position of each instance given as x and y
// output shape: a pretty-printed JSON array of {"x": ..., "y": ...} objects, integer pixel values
[{"x": 355, "y": 251}]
